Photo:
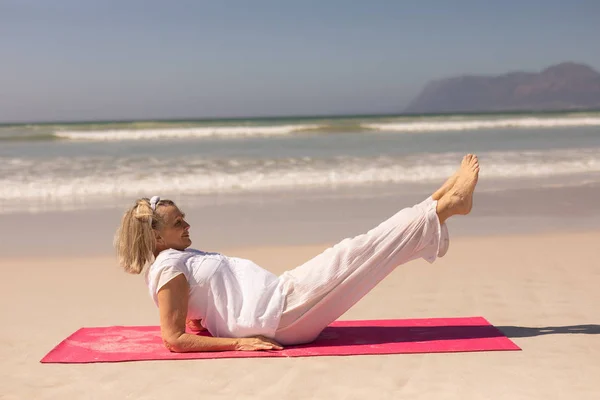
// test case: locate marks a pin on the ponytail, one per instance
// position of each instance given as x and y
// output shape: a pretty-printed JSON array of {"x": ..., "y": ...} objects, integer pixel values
[{"x": 135, "y": 241}]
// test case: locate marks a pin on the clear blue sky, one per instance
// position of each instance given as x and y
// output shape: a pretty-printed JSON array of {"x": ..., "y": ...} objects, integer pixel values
[{"x": 104, "y": 59}]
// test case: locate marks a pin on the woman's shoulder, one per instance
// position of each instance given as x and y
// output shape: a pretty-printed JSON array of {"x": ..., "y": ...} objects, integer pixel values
[{"x": 169, "y": 256}]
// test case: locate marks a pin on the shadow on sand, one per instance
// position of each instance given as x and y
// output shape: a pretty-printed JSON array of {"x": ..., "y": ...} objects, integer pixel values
[
  {"x": 522, "y": 331},
  {"x": 367, "y": 335}
]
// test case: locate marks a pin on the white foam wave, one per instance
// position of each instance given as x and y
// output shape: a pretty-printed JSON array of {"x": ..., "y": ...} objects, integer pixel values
[
  {"x": 129, "y": 178},
  {"x": 181, "y": 133},
  {"x": 465, "y": 125}
]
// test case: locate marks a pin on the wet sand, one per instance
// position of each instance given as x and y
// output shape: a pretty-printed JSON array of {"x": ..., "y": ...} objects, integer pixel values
[{"x": 304, "y": 218}]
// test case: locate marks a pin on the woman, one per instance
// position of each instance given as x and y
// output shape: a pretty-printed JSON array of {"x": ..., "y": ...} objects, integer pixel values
[{"x": 245, "y": 307}]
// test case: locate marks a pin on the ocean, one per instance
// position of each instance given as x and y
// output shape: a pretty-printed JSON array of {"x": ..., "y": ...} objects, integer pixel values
[{"x": 78, "y": 166}]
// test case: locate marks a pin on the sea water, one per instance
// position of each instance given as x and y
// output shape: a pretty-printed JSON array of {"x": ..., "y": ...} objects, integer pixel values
[{"x": 68, "y": 166}]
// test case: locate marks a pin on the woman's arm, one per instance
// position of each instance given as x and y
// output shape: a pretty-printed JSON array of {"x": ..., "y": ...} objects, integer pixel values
[{"x": 173, "y": 304}]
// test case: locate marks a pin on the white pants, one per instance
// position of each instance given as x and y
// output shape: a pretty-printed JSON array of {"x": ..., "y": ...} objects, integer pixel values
[{"x": 321, "y": 290}]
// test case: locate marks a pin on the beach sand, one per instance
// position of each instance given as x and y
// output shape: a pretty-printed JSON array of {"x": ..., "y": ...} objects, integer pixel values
[{"x": 541, "y": 289}]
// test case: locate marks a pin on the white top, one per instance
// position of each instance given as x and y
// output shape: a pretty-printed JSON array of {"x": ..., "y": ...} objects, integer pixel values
[{"x": 233, "y": 297}]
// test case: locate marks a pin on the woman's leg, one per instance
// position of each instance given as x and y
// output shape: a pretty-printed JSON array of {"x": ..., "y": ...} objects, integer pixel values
[{"x": 324, "y": 288}]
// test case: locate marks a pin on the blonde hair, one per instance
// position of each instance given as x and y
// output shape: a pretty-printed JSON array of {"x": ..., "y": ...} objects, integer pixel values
[{"x": 135, "y": 241}]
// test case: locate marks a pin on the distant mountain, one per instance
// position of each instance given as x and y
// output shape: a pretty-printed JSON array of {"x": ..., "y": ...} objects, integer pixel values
[{"x": 566, "y": 86}]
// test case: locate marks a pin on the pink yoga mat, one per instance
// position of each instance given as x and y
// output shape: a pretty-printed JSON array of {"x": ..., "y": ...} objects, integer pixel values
[{"x": 341, "y": 338}]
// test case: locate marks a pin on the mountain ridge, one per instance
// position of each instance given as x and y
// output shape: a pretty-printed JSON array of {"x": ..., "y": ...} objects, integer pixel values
[{"x": 564, "y": 86}]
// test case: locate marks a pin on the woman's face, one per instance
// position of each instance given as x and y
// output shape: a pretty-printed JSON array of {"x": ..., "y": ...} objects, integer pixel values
[{"x": 174, "y": 234}]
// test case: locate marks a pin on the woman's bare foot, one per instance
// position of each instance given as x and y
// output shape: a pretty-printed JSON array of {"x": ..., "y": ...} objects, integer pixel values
[
  {"x": 459, "y": 198},
  {"x": 450, "y": 181}
]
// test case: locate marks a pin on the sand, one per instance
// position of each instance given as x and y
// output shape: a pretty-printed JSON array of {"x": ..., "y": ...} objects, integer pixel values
[{"x": 541, "y": 289}]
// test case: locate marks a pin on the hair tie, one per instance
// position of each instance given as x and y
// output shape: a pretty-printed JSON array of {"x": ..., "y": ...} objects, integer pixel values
[{"x": 153, "y": 202}]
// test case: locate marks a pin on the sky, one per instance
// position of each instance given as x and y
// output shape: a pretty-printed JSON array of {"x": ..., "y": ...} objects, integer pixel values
[{"x": 73, "y": 60}]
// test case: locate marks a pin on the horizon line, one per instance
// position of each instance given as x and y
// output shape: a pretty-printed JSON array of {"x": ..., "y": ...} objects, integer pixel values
[{"x": 290, "y": 116}]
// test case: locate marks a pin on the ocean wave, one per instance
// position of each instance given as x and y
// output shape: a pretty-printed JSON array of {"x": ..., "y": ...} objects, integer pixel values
[
  {"x": 181, "y": 133},
  {"x": 465, "y": 125},
  {"x": 83, "y": 179},
  {"x": 28, "y": 137},
  {"x": 148, "y": 130},
  {"x": 401, "y": 125}
]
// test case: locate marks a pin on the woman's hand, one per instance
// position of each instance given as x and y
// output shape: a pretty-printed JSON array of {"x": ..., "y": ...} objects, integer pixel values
[{"x": 257, "y": 343}]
